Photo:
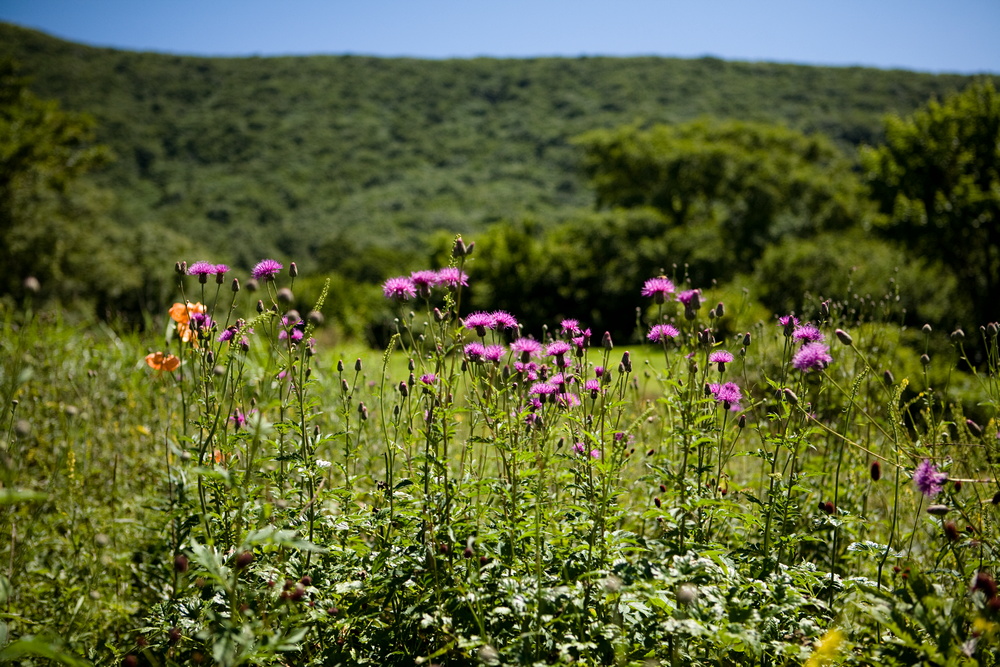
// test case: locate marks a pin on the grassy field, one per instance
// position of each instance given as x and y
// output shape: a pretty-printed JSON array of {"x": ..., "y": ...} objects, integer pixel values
[{"x": 239, "y": 490}]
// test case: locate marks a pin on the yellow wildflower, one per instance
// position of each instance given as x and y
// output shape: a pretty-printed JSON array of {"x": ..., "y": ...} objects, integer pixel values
[{"x": 827, "y": 648}]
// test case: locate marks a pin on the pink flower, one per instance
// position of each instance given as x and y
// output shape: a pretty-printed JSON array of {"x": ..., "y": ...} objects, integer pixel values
[
  {"x": 658, "y": 288},
  {"x": 661, "y": 332},
  {"x": 400, "y": 289}
]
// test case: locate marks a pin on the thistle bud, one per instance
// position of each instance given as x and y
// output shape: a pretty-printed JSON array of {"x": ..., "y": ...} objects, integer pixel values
[
  {"x": 627, "y": 362},
  {"x": 404, "y": 390},
  {"x": 746, "y": 339},
  {"x": 260, "y": 306},
  {"x": 926, "y": 329},
  {"x": 244, "y": 559},
  {"x": 824, "y": 309},
  {"x": 957, "y": 334},
  {"x": 315, "y": 317},
  {"x": 938, "y": 510},
  {"x": 285, "y": 295},
  {"x": 951, "y": 531},
  {"x": 180, "y": 563},
  {"x": 252, "y": 285},
  {"x": 458, "y": 249},
  {"x": 236, "y": 285},
  {"x": 357, "y": 365},
  {"x": 720, "y": 310},
  {"x": 293, "y": 270},
  {"x": 875, "y": 471},
  {"x": 887, "y": 378},
  {"x": 181, "y": 268},
  {"x": 790, "y": 396},
  {"x": 976, "y": 429},
  {"x": 606, "y": 341},
  {"x": 844, "y": 337},
  {"x": 925, "y": 359}
]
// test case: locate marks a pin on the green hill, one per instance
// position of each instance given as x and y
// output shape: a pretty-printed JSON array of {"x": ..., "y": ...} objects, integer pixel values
[{"x": 280, "y": 156}]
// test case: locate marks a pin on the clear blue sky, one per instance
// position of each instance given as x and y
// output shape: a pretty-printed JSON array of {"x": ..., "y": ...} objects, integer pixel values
[{"x": 935, "y": 36}]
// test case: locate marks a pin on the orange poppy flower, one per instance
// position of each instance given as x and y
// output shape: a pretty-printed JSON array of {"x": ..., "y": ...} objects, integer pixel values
[
  {"x": 181, "y": 313},
  {"x": 163, "y": 362}
]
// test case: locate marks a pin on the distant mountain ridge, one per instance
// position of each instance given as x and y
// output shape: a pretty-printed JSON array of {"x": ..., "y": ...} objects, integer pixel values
[{"x": 282, "y": 155}]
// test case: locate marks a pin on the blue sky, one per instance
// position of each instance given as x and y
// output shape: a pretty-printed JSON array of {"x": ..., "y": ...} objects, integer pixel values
[{"x": 933, "y": 36}]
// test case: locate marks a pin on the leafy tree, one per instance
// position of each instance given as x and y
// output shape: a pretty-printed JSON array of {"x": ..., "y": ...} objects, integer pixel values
[
  {"x": 43, "y": 152},
  {"x": 937, "y": 176},
  {"x": 754, "y": 182}
]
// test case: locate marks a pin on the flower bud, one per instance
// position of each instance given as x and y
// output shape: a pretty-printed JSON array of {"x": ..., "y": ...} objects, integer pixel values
[
  {"x": 938, "y": 510},
  {"x": 925, "y": 359},
  {"x": 293, "y": 270},
  {"x": 824, "y": 309},
  {"x": 252, "y": 285},
  {"x": 926, "y": 328},
  {"x": 957, "y": 334},
  {"x": 875, "y": 471},
  {"x": 236, "y": 285},
  {"x": 357, "y": 365},
  {"x": 790, "y": 396},
  {"x": 260, "y": 306},
  {"x": 244, "y": 559},
  {"x": 458, "y": 249},
  {"x": 285, "y": 295},
  {"x": 746, "y": 339},
  {"x": 720, "y": 310},
  {"x": 180, "y": 563},
  {"x": 606, "y": 341},
  {"x": 844, "y": 337},
  {"x": 887, "y": 378}
]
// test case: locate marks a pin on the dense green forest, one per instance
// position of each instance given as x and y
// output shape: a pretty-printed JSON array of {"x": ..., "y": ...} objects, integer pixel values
[{"x": 361, "y": 166}]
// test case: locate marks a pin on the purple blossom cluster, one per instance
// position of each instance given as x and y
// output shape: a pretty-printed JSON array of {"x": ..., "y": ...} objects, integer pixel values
[
  {"x": 814, "y": 355},
  {"x": 404, "y": 288},
  {"x": 928, "y": 479},
  {"x": 729, "y": 394}
]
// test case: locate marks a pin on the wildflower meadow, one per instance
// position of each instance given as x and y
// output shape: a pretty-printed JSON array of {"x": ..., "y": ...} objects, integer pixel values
[{"x": 229, "y": 487}]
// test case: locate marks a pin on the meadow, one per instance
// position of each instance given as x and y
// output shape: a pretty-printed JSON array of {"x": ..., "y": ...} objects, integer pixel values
[{"x": 234, "y": 486}]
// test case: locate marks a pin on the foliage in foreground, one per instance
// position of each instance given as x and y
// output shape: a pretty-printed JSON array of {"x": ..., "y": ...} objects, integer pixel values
[{"x": 737, "y": 492}]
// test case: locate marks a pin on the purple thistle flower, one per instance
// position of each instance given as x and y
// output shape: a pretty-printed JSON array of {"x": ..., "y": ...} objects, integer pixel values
[
  {"x": 201, "y": 269},
  {"x": 784, "y": 320},
  {"x": 567, "y": 400},
  {"x": 228, "y": 334},
  {"x": 220, "y": 269},
  {"x": 658, "y": 288},
  {"x": 928, "y": 479},
  {"x": 479, "y": 321},
  {"x": 661, "y": 332},
  {"x": 526, "y": 347},
  {"x": 579, "y": 448},
  {"x": 452, "y": 277},
  {"x": 475, "y": 351},
  {"x": 728, "y": 394},
  {"x": 200, "y": 321},
  {"x": 543, "y": 389},
  {"x": 266, "y": 269},
  {"x": 592, "y": 385},
  {"x": 428, "y": 378},
  {"x": 720, "y": 357},
  {"x": 557, "y": 348},
  {"x": 570, "y": 326},
  {"x": 424, "y": 281},
  {"x": 583, "y": 340},
  {"x": 494, "y": 352},
  {"x": 504, "y": 320},
  {"x": 400, "y": 289},
  {"x": 690, "y": 298},
  {"x": 808, "y": 333},
  {"x": 530, "y": 369},
  {"x": 812, "y": 356}
]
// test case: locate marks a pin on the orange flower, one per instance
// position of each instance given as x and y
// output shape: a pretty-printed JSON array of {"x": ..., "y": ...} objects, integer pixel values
[
  {"x": 162, "y": 362},
  {"x": 180, "y": 312}
]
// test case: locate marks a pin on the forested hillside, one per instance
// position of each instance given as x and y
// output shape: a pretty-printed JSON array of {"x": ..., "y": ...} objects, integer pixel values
[{"x": 304, "y": 156}]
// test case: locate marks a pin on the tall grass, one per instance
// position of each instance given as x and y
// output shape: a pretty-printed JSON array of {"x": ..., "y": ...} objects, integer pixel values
[{"x": 476, "y": 493}]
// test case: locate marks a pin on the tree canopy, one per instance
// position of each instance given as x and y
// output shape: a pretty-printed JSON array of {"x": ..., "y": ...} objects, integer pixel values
[{"x": 937, "y": 177}]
